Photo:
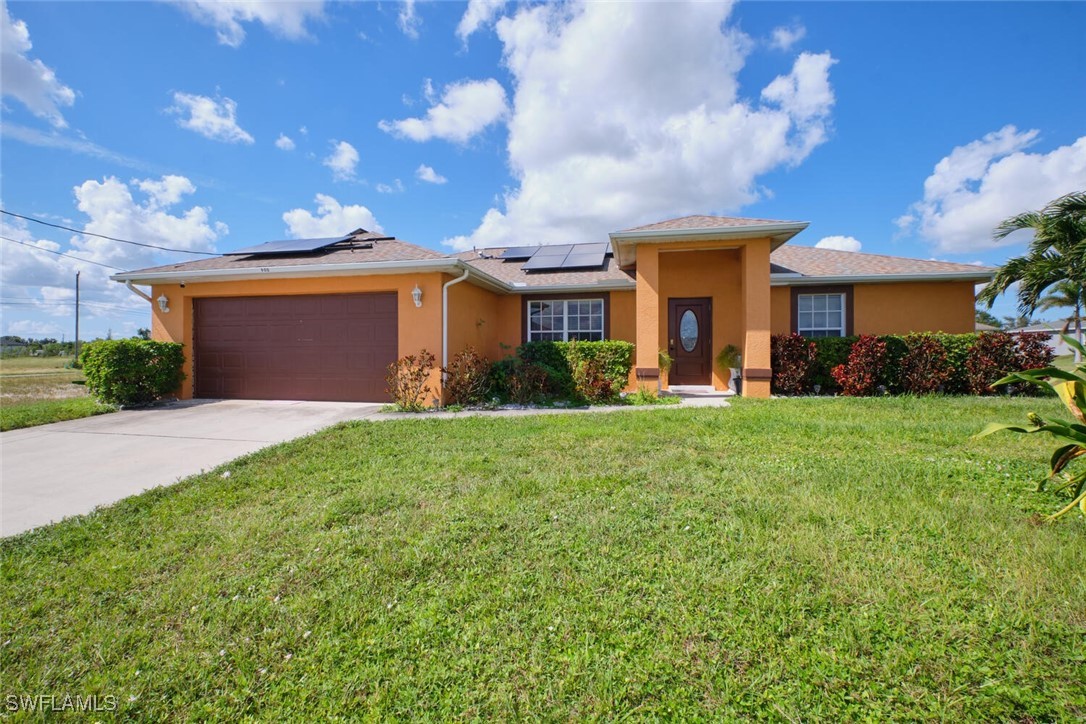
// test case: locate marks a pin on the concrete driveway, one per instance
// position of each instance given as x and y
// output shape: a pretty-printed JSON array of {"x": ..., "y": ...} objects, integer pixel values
[{"x": 69, "y": 468}]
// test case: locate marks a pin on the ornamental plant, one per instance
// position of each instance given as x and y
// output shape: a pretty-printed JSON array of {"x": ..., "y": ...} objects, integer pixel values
[
  {"x": 132, "y": 372},
  {"x": 591, "y": 381},
  {"x": 407, "y": 380},
  {"x": 1070, "y": 387},
  {"x": 467, "y": 378},
  {"x": 924, "y": 366},
  {"x": 859, "y": 377},
  {"x": 792, "y": 358},
  {"x": 993, "y": 356}
]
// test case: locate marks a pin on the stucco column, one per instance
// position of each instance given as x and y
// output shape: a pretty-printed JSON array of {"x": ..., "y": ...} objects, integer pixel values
[
  {"x": 647, "y": 354},
  {"x": 756, "y": 319}
]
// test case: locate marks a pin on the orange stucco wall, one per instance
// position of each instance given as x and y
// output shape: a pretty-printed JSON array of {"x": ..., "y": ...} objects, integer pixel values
[
  {"x": 780, "y": 299},
  {"x": 418, "y": 327},
  {"x": 914, "y": 307},
  {"x": 710, "y": 273},
  {"x": 896, "y": 308}
]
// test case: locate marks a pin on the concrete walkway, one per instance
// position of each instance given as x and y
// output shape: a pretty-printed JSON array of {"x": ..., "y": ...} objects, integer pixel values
[{"x": 69, "y": 468}]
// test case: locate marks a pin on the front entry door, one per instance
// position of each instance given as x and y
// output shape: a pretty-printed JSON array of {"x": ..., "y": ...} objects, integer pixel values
[{"x": 690, "y": 341}]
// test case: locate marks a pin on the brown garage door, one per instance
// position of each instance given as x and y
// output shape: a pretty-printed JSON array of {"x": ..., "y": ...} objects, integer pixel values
[{"x": 312, "y": 347}]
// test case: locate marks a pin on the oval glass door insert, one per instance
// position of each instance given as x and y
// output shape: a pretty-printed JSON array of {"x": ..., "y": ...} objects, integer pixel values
[{"x": 688, "y": 330}]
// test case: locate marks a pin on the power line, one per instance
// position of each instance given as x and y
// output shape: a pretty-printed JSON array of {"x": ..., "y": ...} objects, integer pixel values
[
  {"x": 59, "y": 253},
  {"x": 103, "y": 236},
  {"x": 98, "y": 307}
]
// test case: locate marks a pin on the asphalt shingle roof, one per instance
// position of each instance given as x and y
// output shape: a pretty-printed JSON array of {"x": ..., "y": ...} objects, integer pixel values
[{"x": 809, "y": 261}]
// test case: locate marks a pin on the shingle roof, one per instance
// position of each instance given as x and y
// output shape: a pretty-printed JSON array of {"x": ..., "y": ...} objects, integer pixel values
[
  {"x": 381, "y": 250},
  {"x": 705, "y": 222},
  {"x": 510, "y": 272},
  {"x": 814, "y": 262},
  {"x": 811, "y": 262}
]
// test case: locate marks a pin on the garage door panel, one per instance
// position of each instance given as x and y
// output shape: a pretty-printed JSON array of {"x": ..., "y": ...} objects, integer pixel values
[{"x": 314, "y": 347}]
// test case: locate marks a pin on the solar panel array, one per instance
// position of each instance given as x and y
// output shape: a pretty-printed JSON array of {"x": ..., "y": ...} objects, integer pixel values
[
  {"x": 557, "y": 257},
  {"x": 288, "y": 246}
]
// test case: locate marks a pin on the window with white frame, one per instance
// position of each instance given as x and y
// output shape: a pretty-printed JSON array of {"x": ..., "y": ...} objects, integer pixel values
[
  {"x": 821, "y": 315},
  {"x": 562, "y": 320}
]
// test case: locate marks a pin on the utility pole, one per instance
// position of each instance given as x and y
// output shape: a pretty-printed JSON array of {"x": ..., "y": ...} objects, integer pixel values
[{"x": 77, "y": 316}]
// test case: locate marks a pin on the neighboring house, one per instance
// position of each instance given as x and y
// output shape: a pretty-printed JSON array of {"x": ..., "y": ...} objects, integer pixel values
[
  {"x": 322, "y": 319},
  {"x": 13, "y": 346},
  {"x": 1055, "y": 340}
]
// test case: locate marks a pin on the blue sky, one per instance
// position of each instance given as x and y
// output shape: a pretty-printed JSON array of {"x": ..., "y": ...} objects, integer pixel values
[{"x": 896, "y": 128}]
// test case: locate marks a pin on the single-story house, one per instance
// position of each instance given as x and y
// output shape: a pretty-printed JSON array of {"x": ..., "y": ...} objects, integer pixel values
[{"x": 321, "y": 319}]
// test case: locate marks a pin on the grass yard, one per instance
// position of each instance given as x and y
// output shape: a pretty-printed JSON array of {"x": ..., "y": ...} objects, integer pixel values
[
  {"x": 814, "y": 559},
  {"x": 39, "y": 390}
]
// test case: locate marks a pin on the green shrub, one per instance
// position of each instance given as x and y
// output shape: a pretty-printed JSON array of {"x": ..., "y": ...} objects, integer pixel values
[
  {"x": 132, "y": 372},
  {"x": 551, "y": 359},
  {"x": 546, "y": 370},
  {"x": 614, "y": 359},
  {"x": 829, "y": 353}
]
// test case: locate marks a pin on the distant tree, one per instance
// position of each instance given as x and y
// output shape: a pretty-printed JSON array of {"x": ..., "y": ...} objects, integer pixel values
[
  {"x": 1016, "y": 322},
  {"x": 1064, "y": 295},
  {"x": 1057, "y": 253},
  {"x": 986, "y": 317},
  {"x": 143, "y": 333}
]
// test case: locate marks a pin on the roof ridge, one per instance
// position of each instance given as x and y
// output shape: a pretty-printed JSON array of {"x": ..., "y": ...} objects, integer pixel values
[{"x": 884, "y": 256}]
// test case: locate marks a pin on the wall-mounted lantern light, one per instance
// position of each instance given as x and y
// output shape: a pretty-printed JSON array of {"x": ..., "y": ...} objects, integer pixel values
[
  {"x": 163, "y": 303},
  {"x": 416, "y": 294}
]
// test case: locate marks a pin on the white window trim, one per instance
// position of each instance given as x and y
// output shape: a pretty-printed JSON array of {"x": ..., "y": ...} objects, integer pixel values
[
  {"x": 565, "y": 317},
  {"x": 841, "y": 331}
]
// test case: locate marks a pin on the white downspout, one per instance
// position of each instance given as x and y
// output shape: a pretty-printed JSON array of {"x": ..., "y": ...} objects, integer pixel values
[
  {"x": 138, "y": 292},
  {"x": 445, "y": 321}
]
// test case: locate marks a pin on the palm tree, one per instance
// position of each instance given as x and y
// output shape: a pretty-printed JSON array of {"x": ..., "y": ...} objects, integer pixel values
[
  {"x": 1056, "y": 254},
  {"x": 1064, "y": 295}
]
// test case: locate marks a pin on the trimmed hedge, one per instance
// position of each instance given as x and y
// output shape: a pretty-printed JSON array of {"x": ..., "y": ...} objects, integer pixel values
[
  {"x": 610, "y": 360},
  {"x": 973, "y": 361},
  {"x": 132, "y": 372}
]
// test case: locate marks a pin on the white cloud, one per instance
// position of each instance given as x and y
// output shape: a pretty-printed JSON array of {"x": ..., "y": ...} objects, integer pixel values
[
  {"x": 304, "y": 131},
  {"x": 976, "y": 186},
  {"x": 343, "y": 161},
  {"x": 480, "y": 13},
  {"x": 35, "y": 329},
  {"x": 604, "y": 136},
  {"x": 331, "y": 219},
  {"x": 284, "y": 143},
  {"x": 395, "y": 187},
  {"x": 429, "y": 175},
  {"x": 53, "y": 139},
  {"x": 840, "y": 243},
  {"x": 783, "y": 38},
  {"x": 29, "y": 80},
  {"x": 112, "y": 208},
  {"x": 408, "y": 19},
  {"x": 285, "y": 18},
  {"x": 465, "y": 110},
  {"x": 211, "y": 118}
]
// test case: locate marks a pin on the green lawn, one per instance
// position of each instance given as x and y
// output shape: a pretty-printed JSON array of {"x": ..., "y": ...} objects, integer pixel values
[
  {"x": 40, "y": 390},
  {"x": 28, "y": 414},
  {"x": 808, "y": 559}
]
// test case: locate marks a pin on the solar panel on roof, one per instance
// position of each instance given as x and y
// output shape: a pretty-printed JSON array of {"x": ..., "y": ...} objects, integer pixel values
[
  {"x": 579, "y": 261},
  {"x": 596, "y": 248},
  {"x": 517, "y": 253},
  {"x": 288, "y": 246},
  {"x": 540, "y": 262}
]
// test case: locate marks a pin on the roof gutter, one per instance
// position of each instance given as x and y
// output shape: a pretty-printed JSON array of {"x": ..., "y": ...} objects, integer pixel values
[
  {"x": 447, "y": 265},
  {"x": 779, "y": 233},
  {"x": 445, "y": 323},
  {"x": 138, "y": 292},
  {"x": 798, "y": 280}
]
